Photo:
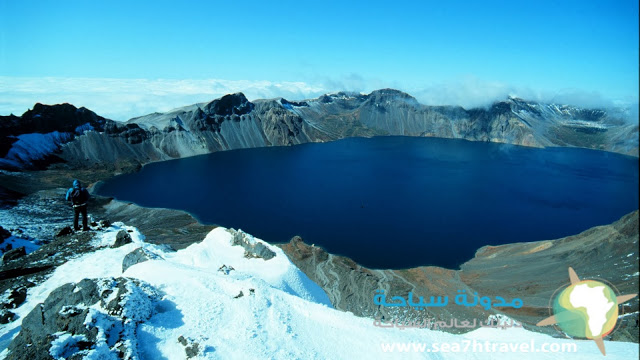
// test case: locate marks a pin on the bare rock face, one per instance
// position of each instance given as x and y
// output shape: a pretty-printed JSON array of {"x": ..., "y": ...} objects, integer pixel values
[
  {"x": 76, "y": 319},
  {"x": 14, "y": 297},
  {"x": 171, "y": 228},
  {"x": 65, "y": 231}
]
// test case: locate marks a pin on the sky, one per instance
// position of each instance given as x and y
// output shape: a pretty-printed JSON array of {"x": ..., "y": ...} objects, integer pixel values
[{"x": 127, "y": 58}]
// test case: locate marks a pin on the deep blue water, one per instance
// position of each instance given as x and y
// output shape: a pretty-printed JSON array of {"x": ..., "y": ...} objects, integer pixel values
[{"x": 394, "y": 202}]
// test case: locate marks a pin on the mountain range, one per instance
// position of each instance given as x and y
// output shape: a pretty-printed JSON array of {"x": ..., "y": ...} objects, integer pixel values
[{"x": 50, "y": 134}]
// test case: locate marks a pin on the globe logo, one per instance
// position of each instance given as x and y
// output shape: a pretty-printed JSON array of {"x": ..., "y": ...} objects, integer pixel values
[{"x": 586, "y": 309}]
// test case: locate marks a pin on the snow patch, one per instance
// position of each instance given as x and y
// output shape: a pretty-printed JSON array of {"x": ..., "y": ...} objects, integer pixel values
[{"x": 65, "y": 345}]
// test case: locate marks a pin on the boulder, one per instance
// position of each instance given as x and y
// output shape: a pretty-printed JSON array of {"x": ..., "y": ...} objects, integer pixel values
[
  {"x": 122, "y": 238},
  {"x": 137, "y": 256}
]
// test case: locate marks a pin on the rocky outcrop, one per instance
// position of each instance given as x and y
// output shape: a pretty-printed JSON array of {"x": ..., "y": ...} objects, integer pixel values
[
  {"x": 529, "y": 271},
  {"x": 252, "y": 247},
  {"x": 92, "y": 317},
  {"x": 137, "y": 256},
  {"x": 233, "y": 122}
]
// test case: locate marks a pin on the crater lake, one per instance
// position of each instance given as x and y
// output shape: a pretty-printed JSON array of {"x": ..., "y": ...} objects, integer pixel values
[{"x": 394, "y": 202}]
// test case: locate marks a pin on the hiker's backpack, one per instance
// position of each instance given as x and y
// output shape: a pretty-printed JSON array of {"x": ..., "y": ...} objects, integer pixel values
[{"x": 79, "y": 196}]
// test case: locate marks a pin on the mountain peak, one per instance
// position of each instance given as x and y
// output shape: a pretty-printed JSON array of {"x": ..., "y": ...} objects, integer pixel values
[
  {"x": 384, "y": 95},
  {"x": 230, "y": 104},
  {"x": 59, "y": 117},
  {"x": 390, "y": 92},
  {"x": 40, "y": 109}
]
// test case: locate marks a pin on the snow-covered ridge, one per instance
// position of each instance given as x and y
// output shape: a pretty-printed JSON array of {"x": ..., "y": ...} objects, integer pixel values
[
  {"x": 234, "y": 307},
  {"x": 36, "y": 146}
]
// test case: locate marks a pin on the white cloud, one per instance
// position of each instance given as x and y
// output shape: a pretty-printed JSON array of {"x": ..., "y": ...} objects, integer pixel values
[
  {"x": 122, "y": 99},
  {"x": 470, "y": 92}
]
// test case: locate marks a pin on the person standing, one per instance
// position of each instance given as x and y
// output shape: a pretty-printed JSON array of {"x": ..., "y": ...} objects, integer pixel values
[{"x": 79, "y": 197}]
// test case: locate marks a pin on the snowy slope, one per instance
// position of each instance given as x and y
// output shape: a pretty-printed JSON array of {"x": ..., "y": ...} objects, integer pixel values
[
  {"x": 30, "y": 147},
  {"x": 285, "y": 316}
]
